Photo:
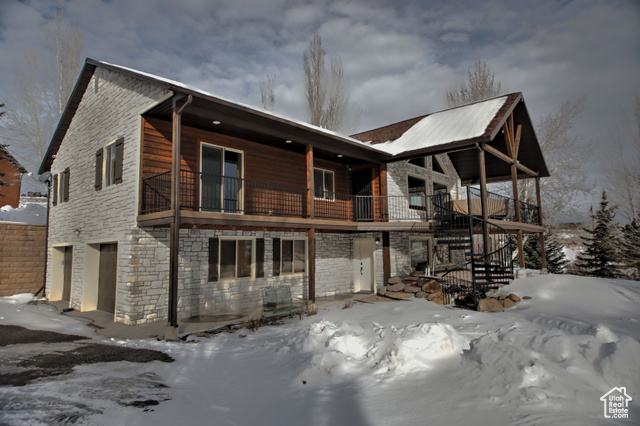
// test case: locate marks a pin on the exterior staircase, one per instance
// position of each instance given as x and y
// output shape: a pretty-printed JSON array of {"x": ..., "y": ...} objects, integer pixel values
[{"x": 473, "y": 271}]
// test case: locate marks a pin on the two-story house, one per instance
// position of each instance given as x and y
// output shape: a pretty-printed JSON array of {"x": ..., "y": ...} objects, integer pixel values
[{"x": 169, "y": 202}]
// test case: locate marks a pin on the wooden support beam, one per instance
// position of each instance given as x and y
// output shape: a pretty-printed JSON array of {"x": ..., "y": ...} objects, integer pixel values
[
  {"x": 483, "y": 201},
  {"x": 516, "y": 143},
  {"x": 311, "y": 255},
  {"x": 516, "y": 202},
  {"x": 504, "y": 157},
  {"x": 386, "y": 257},
  {"x": 310, "y": 183},
  {"x": 383, "y": 191}
]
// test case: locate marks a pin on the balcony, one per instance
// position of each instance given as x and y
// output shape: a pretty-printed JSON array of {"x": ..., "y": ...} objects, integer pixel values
[{"x": 205, "y": 193}]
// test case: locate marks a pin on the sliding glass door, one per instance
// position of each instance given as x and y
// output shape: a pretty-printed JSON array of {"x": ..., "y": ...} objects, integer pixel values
[{"x": 221, "y": 184}]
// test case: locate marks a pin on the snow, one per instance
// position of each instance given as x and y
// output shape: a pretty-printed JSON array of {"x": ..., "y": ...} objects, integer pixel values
[
  {"x": 456, "y": 124},
  {"x": 548, "y": 360},
  {"x": 34, "y": 213}
]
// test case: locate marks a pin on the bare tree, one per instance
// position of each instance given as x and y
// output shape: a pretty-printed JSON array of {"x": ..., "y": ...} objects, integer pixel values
[
  {"x": 267, "y": 92},
  {"x": 622, "y": 165},
  {"x": 42, "y": 87},
  {"x": 480, "y": 84},
  {"x": 327, "y": 92}
]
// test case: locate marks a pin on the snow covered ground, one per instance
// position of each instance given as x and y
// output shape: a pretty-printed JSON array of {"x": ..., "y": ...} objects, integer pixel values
[
  {"x": 547, "y": 360},
  {"x": 35, "y": 213}
]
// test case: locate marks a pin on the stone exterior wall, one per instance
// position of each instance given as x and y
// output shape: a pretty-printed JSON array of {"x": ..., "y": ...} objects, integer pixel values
[
  {"x": 110, "y": 108},
  {"x": 22, "y": 250},
  {"x": 397, "y": 173}
]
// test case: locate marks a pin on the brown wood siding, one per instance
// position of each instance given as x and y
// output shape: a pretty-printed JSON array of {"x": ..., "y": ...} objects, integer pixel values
[{"x": 262, "y": 163}]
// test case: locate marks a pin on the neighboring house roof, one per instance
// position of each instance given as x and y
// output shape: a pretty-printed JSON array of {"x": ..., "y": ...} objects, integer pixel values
[
  {"x": 5, "y": 154},
  {"x": 445, "y": 131}
]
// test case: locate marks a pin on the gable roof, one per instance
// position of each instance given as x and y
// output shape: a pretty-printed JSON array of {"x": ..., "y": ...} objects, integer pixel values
[
  {"x": 5, "y": 154},
  {"x": 455, "y": 131}
]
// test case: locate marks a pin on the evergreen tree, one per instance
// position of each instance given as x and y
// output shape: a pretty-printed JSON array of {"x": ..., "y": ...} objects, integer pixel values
[
  {"x": 601, "y": 253},
  {"x": 631, "y": 246},
  {"x": 556, "y": 260}
]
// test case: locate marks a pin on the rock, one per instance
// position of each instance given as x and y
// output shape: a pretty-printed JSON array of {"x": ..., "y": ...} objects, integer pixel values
[
  {"x": 382, "y": 290},
  {"x": 490, "y": 305},
  {"x": 439, "y": 300},
  {"x": 417, "y": 274},
  {"x": 398, "y": 294},
  {"x": 433, "y": 296},
  {"x": 394, "y": 280},
  {"x": 514, "y": 297},
  {"x": 432, "y": 287},
  {"x": 421, "y": 295},
  {"x": 527, "y": 297},
  {"x": 464, "y": 299},
  {"x": 507, "y": 303},
  {"x": 411, "y": 289},
  {"x": 421, "y": 281},
  {"x": 410, "y": 279},
  {"x": 396, "y": 287},
  {"x": 501, "y": 298}
]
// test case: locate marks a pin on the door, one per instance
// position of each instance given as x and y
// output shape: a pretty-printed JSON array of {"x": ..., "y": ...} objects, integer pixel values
[
  {"x": 68, "y": 267},
  {"x": 363, "y": 190},
  {"x": 221, "y": 188},
  {"x": 364, "y": 278},
  {"x": 108, "y": 277}
]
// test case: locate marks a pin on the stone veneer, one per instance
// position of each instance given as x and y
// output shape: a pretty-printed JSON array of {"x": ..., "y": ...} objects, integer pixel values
[
  {"x": 397, "y": 182},
  {"x": 110, "y": 108}
]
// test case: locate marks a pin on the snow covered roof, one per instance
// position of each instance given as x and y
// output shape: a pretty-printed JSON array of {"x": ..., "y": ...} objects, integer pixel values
[{"x": 5, "y": 154}]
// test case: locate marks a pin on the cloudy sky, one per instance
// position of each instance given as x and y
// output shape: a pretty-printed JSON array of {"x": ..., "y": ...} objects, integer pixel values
[{"x": 399, "y": 55}]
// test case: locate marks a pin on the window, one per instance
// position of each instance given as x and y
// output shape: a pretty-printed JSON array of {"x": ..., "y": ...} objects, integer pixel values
[
  {"x": 109, "y": 162},
  {"x": 231, "y": 258},
  {"x": 436, "y": 165},
  {"x": 439, "y": 188},
  {"x": 289, "y": 256},
  {"x": 417, "y": 193},
  {"x": 323, "y": 181},
  {"x": 61, "y": 187},
  {"x": 420, "y": 162},
  {"x": 419, "y": 252}
]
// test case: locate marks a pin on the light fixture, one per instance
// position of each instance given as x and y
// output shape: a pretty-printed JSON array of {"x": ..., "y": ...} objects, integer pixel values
[
  {"x": 339, "y": 155},
  {"x": 287, "y": 141},
  {"x": 377, "y": 241},
  {"x": 216, "y": 122}
]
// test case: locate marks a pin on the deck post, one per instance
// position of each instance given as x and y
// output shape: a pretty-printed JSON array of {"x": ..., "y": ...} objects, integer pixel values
[
  {"x": 311, "y": 255},
  {"x": 310, "y": 184},
  {"x": 383, "y": 192},
  {"x": 174, "y": 243},
  {"x": 483, "y": 202},
  {"x": 386, "y": 257},
  {"x": 543, "y": 251},
  {"x": 516, "y": 201}
]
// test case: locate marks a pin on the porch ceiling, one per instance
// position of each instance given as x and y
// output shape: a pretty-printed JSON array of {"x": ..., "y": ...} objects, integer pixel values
[{"x": 250, "y": 125}]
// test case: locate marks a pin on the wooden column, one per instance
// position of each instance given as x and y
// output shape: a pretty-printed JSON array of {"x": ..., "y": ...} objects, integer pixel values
[
  {"x": 516, "y": 201},
  {"x": 543, "y": 251},
  {"x": 174, "y": 239},
  {"x": 310, "y": 183},
  {"x": 483, "y": 201},
  {"x": 383, "y": 192},
  {"x": 311, "y": 243},
  {"x": 386, "y": 257}
]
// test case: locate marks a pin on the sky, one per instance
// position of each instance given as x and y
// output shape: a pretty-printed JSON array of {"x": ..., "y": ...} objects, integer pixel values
[{"x": 400, "y": 56}]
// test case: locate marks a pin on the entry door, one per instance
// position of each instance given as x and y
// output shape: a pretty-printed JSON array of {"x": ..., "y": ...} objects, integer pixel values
[
  {"x": 221, "y": 189},
  {"x": 108, "y": 277},
  {"x": 363, "y": 190},
  {"x": 68, "y": 267},
  {"x": 364, "y": 278}
]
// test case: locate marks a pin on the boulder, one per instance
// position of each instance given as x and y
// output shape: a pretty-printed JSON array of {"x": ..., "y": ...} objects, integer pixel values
[
  {"x": 411, "y": 289},
  {"x": 394, "y": 280},
  {"x": 398, "y": 295},
  {"x": 439, "y": 300},
  {"x": 421, "y": 295},
  {"x": 410, "y": 279},
  {"x": 396, "y": 287},
  {"x": 514, "y": 297},
  {"x": 421, "y": 281},
  {"x": 490, "y": 305},
  {"x": 507, "y": 303},
  {"x": 527, "y": 298},
  {"x": 382, "y": 290},
  {"x": 432, "y": 287},
  {"x": 433, "y": 296},
  {"x": 501, "y": 298},
  {"x": 417, "y": 274}
]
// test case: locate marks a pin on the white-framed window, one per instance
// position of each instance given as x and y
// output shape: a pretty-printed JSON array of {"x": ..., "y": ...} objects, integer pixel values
[
  {"x": 289, "y": 256},
  {"x": 324, "y": 184},
  {"x": 109, "y": 164},
  {"x": 60, "y": 191},
  {"x": 419, "y": 161},
  {"x": 417, "y": 188},
  {"x": 110, "y": 161},
  {"x": 232, "y": 258},
  {"x": 436, "y": 165}
]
